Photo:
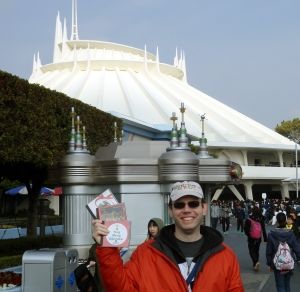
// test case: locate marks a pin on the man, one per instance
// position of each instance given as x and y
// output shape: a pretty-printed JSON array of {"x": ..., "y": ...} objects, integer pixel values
[
  {"x": 214, "y": 214},
  {"x": 282, "y": 273},
  {"x": 186, "y": 256}
]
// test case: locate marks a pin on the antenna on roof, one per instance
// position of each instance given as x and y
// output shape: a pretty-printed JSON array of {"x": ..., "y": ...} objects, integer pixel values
[
  {"x": 203, "y": 150},
  {"x": 74, "y": 34}
]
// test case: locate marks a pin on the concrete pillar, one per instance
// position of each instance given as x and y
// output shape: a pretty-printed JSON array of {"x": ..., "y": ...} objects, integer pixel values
[
  {"x": 207, "y": 196},
  {"x": 285, "y": 191},
  {"x": 244, "y": 152},
  {"x": 217, "y": 193},
  {"x": 248, "y": 189},
  {"x": 236, "y": 192},
  {"x": 279, "y": 153},
  {"x": 77, "y": 219}
]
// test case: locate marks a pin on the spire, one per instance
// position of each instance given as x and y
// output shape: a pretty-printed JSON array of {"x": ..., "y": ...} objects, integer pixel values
[
  {"x": 77, "y": 142},
  {"x": 157, "y": 59},
  {"x": 174, "y": 134},
  {"x": 38, "y": 61},
  {"x": 176, "y": 58},
  {"x": 183, "y": 67},
  {"x": 74, "y": 34},
  {"x": 72, "y": 137},
  {"x": 145, "y": 58},
  {"x": 203, "y": 152},
  {"x": 57, "y": 39},
  {"x": 64, "y": 48},
  {"x": 78, "y": 137},
  {"x": 179, "y": 139},
  {"x": 180, "y": 60},
  {"x": 183, "y": 141},
  {"x": 65, "y": 33}
]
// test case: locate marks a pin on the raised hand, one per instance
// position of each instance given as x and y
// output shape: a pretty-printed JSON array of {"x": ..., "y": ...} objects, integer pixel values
[{"x": 99, "y": 230}]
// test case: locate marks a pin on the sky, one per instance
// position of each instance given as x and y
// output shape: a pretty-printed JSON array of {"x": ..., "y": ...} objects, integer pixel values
[{"x": 244, "y": 53}]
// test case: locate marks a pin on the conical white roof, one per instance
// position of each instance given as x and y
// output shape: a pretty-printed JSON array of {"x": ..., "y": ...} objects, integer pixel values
[{"x": 134, "y": 84}]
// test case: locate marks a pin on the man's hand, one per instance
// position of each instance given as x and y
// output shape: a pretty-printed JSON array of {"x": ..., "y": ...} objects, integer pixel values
[{"x": 99, "y": 230}]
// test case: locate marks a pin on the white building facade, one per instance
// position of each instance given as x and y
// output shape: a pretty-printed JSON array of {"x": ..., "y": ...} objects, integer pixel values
[{"x": 134, "y": 85}]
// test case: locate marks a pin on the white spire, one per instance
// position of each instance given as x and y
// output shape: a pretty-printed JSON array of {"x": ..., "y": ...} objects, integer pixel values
[
  {"x": 64, "y": 47},
  {"x": 38, "y": 61},
  {"x": 157, "y": 59},
  {"x": 145, "y": 58},
  {"x": 176, "y": 58},
  {"x": 180, "y": 60},
  {"x": 74, "y": 33},
  {"x": 65, "y": 33},
  {"x": 183, "y": 68},
  {"x": 57, "y": 39}
]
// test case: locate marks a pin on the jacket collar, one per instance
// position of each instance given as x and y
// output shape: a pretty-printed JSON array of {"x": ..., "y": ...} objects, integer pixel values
[{"x": 167, "y": 243}]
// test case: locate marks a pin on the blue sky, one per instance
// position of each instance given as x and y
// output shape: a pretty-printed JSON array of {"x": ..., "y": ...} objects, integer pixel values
[{"x": 245, "y": 53}]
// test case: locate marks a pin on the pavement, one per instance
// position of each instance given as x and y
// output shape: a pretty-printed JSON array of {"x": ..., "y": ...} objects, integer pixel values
[{"x": 263, "y": 280}]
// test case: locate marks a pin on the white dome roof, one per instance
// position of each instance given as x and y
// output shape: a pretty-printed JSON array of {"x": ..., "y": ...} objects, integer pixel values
[{"x": 133, "y": 84}]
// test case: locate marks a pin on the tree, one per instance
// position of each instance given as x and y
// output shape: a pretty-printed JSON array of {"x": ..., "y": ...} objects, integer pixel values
[
  {"x": 35, "y": 126},
  {"x": 290, "y": 129}
]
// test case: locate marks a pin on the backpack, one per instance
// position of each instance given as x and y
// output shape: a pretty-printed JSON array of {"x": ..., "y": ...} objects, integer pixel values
[
  {"x": 283, "y": 260},
  {"x": 255, "y": 229}
]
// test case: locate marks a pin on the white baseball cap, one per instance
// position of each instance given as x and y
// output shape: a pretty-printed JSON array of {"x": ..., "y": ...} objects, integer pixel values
[{"x": 186, "y": 188}]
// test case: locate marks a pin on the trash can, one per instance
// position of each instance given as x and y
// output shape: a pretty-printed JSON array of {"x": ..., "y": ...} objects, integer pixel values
[
  {"x": 71, "y": 265},
  {"x": 44, "y": 270}
]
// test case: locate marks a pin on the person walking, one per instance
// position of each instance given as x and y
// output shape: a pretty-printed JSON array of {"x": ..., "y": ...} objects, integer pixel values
[
  {"x": 240, "y": 217},
  {"x": 186, "y": 256},
  {"x": 282, "y": 235},
  {"x": 255, "y": 229},
  {"x": 214, "y": 214},
  {"x": 225, "y": 217}
]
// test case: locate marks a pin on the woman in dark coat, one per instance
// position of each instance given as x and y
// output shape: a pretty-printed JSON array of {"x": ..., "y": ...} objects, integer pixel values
[{"x": 254, "y": 243}]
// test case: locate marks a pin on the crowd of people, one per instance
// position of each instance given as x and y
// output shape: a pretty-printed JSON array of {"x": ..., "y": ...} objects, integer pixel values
[
  {"x": 189, "y": 256},
  {"x": 223, "y": 212},
  {"x": 283, "y": 241}
]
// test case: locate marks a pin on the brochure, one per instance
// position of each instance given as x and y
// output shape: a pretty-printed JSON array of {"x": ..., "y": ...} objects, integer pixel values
[
  {"x": 103, "y": 199},
  {"x": 112, "y": 212},
  {"x": 119, "y": 234}
]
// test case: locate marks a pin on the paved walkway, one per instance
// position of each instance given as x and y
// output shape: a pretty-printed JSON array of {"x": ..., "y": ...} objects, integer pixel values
[{"x": 263, "y": 280}]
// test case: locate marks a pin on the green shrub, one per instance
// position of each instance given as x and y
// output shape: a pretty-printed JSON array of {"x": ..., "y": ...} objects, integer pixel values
[
  {"x": 20, "y": 245},
  {"x": 11, "y": 261}
]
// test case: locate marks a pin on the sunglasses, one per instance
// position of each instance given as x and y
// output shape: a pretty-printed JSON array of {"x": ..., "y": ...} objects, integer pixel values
[{"x": 191, "y": 204}]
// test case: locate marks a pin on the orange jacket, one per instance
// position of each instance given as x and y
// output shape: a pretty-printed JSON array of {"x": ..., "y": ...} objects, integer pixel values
[{"x": 152, "y": 269}]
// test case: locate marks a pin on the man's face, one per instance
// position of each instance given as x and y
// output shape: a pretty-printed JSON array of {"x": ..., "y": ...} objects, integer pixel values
[{"x": 189, "y": 218}]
